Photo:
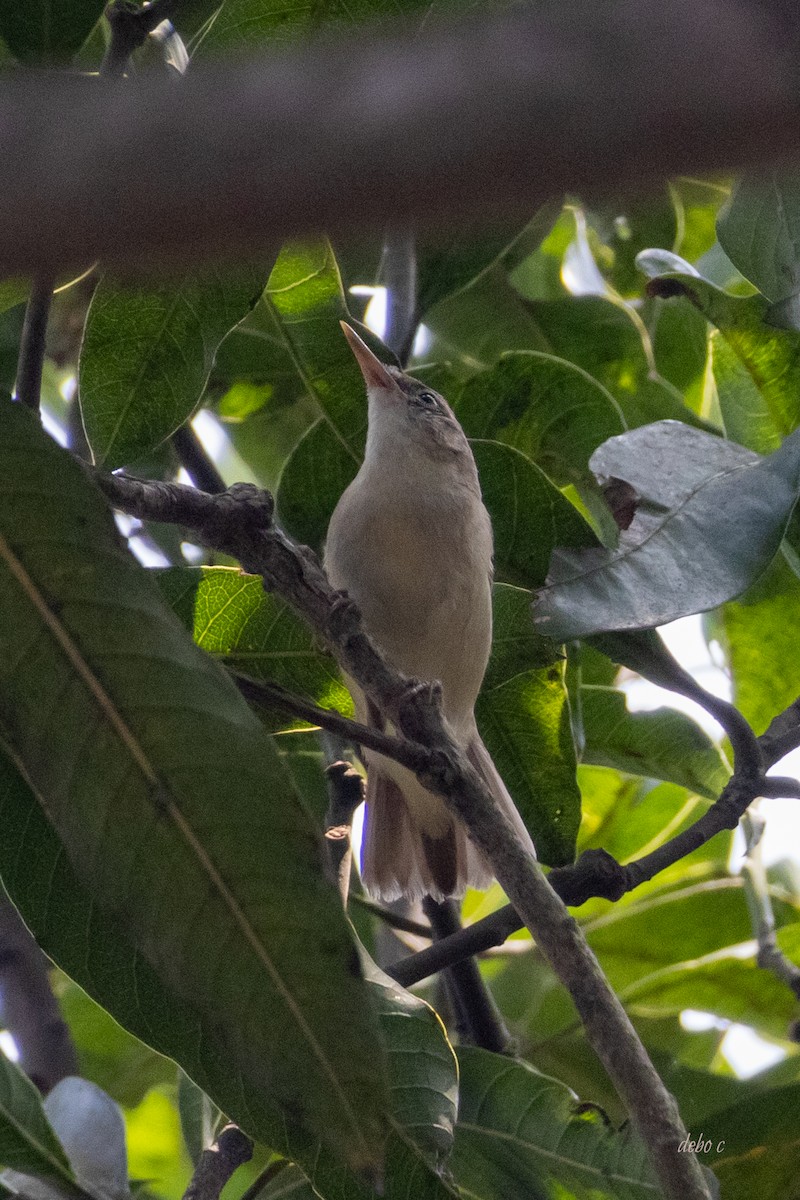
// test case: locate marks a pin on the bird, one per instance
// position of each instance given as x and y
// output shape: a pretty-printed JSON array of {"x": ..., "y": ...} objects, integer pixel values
[{"x": 410, "y": 542}]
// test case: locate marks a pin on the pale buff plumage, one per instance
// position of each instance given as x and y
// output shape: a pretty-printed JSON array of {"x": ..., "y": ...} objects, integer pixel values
[{"x": 411, "y": 543}]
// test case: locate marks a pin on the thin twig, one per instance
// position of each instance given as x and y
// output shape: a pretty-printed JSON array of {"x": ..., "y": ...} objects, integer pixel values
[
  {"x": 769, "y": 955},
  {"x": 478, "y": 1017},
  {"x": 239, "y": 522},
  {"x": 32, "y": 343},
  {"x": 394, "y": 920}
]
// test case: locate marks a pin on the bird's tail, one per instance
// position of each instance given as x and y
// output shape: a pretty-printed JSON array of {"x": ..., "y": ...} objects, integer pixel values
[{"x": 401, "y": 859}]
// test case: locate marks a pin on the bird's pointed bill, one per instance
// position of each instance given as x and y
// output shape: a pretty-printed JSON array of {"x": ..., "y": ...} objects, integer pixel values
[{"x": 375, "y": 373}]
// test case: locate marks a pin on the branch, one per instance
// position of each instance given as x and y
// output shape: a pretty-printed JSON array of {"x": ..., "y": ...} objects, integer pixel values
[
  {"x": 196, "y": 461},
  {"x": 217, "y": 1164},
  {"x": 478, "y": 1019},
  {"x": 240, "y": 522},
  {"x": 29, "y": 1009},
  {"x": 362, "y": 131},
  {"x": 769, "y": 956}
]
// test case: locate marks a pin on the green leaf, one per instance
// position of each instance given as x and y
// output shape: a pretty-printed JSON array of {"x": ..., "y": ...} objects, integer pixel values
[
  {"x": 447, "y": 264},
  {"x": 13, "y": 292},
  {"x": 759, "y": 230},
  {"x": 520, "y": 1134},
  {"x": 662, "y": 744},
  {"x": 530, "y": 516},
  {"x": 305, "y": 296},
  {"x": 48, "y": 32},
  {"x": 771, "y": 356},
  {"x": 746, "y": 417},
  {"x": 252, "y": 24},
  {"x": 147, "y": 354},
  {"x": 710, "y": 521},
  {"x": 253, "y": 632},
  {"x": 755, "y": 1150},
  {"x": 150, "y": 728},
  {"x": 108, "y": 1054},
  {"x": 27, "y": 1141},
  {"x": 423, "y": 1069},
  {"x": 523, "y": 718},
  {"x": 546, "y": 407},
  {"x": 608, "y": 341},
  {"x": 316, "y": 473},
  {"x": 758, "y": 634},
  {"x": 423, "y": 1084}
]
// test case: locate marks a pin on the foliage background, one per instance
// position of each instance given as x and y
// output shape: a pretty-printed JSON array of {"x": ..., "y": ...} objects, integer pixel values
[{"x": 547, "y": 342}]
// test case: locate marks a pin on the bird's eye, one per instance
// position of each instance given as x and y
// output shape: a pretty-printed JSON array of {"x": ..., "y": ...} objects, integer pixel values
[{"x": 428, "y": 399}]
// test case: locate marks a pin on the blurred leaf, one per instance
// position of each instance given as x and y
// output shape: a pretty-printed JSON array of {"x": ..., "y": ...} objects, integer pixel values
[
  {"x": 530, "y": 516},
  {"x": 755, "y": 1149},
  {"x": 288, "y": 1184},
  {"x": 680, "y": 336},
  {"x": 771, "y": 356},
  {"x": 231, "y": 616},
  {"x": 710, "y": 520},
  {"x": 523, "y": 718},
  {"x": 244, "y": 24},
  {"x": 48, "y": 32},
  {"x": 549, "y": 409},
  {"x": 520, "y": 1134},
  {"x": 90, "y": 1127},
  {"x": 484, "y": 321},
  {"x": 630, "y": 817},
  {"x": 662, "y": 744},
  {"x": 147, "y": 353},
  {"x": 27, "y": 1141},
  {"x": 149, "y": 722},
  {"x": 759, "y": 230},
  {"x": 653, "y": 935}
]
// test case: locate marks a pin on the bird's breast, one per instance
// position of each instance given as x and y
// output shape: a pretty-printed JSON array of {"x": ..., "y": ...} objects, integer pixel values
[{"x": 420, "y": 572}]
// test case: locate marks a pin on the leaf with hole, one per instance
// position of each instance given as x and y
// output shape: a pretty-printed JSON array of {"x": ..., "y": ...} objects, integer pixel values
[{"x": 710, "y": 520}]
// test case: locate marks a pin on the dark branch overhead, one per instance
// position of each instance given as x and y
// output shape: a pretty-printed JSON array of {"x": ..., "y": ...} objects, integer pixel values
[{"x": 487, "y": 116}]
